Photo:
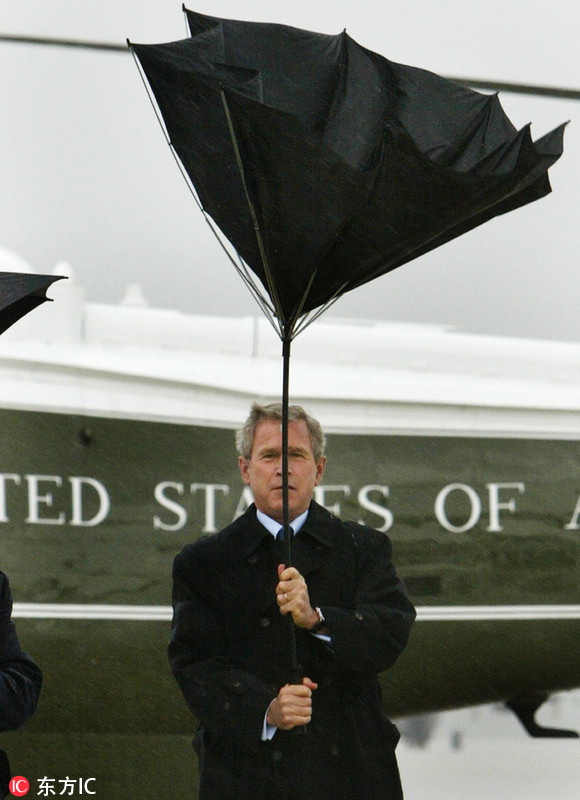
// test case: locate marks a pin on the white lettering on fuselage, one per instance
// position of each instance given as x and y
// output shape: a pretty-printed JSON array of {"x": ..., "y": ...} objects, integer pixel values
[
  {"x": 495, "y": 505},
  {"x": 367, "y": 504},
  {"x": 49, "y": 498},
  {"x": 84, "y": 502}
]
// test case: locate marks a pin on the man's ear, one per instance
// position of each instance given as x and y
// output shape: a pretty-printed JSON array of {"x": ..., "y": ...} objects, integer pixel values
[
  {"x": 320, "y": 470},
  {"x": 244, "y": 470}
]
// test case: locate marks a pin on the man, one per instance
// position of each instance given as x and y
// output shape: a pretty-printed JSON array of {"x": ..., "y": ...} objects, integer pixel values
[
  {"x": 20, "y": 679},
  {"x": 229, "y": 649}
]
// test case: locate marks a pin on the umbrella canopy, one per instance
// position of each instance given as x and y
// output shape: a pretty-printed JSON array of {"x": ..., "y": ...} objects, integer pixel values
[
  {"x": 21, "y": 293},
  {"x": 327, "y": 165}
]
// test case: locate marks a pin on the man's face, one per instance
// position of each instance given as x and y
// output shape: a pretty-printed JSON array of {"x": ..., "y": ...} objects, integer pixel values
[{"x": 263, "y": 472}]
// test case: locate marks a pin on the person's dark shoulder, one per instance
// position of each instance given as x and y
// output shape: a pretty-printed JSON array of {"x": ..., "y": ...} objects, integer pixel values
[
  {"x": 364, "y": 534},
  {"x": 351, "y": 533}
]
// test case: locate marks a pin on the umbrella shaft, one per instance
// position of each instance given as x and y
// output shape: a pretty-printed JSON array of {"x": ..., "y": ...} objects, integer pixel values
[
  {"x": 296, "y": 672},
  {"x": 285, "y": 403}
]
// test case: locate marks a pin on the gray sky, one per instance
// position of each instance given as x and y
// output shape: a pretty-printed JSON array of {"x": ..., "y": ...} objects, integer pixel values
[{"x": 86, "y": 175}]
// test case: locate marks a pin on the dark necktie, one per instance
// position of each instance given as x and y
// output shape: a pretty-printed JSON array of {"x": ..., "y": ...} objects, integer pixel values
[{"x": 280, "y": 534}]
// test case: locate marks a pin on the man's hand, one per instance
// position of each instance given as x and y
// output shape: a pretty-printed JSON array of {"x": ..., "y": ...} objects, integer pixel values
[
  {"x": 292, "y": 597},
  {"x": 293, "y": 706}
]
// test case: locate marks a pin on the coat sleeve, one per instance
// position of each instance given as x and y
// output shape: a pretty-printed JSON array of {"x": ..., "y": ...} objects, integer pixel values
[
  {"x": 20, "y": 677},
  {"x": 229, "y": 701},
  {"x": 372, "y": 631}
]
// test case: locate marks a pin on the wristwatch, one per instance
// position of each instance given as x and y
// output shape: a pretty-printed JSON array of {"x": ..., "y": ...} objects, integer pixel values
[{"x": 321, "y": 621}]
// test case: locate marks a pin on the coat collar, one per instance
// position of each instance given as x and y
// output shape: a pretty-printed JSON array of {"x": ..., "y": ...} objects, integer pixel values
[
  {"x": 248, "y": 532},
  {"x": 318, "y": 526}
]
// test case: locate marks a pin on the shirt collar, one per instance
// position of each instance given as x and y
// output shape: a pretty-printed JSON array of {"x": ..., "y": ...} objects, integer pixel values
[{"x": 273, "y": 526}]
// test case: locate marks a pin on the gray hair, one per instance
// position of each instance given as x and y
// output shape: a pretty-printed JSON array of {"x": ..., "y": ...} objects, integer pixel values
[{"x": 273, "y": 412}]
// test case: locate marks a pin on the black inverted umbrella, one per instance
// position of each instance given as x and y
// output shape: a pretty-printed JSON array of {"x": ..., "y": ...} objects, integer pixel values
[
  {"x": 20, "y": 293},
  {"x": 326, "y": 165}
]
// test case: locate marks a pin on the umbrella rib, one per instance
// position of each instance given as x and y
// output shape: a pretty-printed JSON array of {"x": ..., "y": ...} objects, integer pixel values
[
  {"x": 294, "y": 327},
  {"x": 260, "y": 299},
  {"x": 246, "y": 276},
  {"x": 269, "y": 278},
  {"x": 250, "y": 284},
  {"x": 163, "y": 127},
  {"x": 154, "y": 106},
  {"x": 313, "y": 315},
  {"x": 240, "y": 268},
  {"x": 257, "y": 295},
  {"x": 161, "y": 121},
  {"x": 249, "y": 281}
]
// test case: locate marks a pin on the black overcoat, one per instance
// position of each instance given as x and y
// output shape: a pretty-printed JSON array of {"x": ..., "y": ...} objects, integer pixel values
[
  {"x": 20, "y": 679},
  {"x": 229, "y": 652}
]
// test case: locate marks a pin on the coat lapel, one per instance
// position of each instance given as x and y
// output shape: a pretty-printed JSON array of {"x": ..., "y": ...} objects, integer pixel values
[
  {"x": 314, "y": 541},
  {"x": 259, "y": 561}
]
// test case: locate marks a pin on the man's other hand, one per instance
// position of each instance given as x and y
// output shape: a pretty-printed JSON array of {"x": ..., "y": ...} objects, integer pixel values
[{"x": 293, "y": 706}]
